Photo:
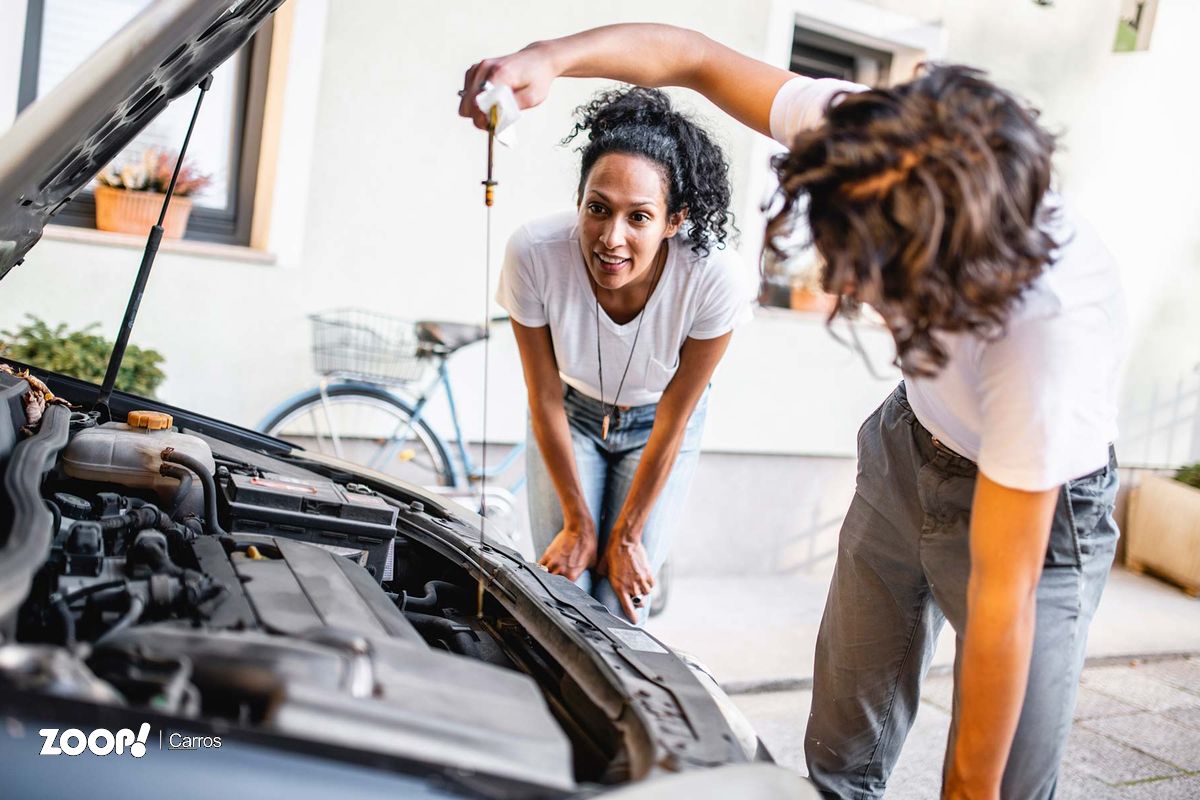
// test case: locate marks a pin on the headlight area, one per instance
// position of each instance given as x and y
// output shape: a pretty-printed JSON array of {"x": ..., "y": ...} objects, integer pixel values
[
  {"x": 631, "y": 708},
  {"x": 747, "y": 737}
]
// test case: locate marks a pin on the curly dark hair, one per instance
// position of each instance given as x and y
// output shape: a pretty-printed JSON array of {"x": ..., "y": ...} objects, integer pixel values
[
  {"x": 925, "y": 200},
  {"x": 641, "y": 122}
]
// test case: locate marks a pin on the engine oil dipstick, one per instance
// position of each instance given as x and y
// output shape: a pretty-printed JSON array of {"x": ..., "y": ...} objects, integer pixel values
[
  {"x": 489, "y": 196},
  {"x": 489, "y": 185}
]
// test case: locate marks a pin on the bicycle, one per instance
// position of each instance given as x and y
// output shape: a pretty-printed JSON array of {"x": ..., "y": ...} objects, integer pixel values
[{"x": 358, "y": 413}]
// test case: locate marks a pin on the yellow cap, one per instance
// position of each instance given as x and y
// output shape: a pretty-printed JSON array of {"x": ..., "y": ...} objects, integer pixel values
[{"x": 150, "y": 420}]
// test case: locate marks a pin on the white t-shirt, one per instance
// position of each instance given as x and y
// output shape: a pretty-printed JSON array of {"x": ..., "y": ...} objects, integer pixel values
[
  {"x": 544, "y": 282},
  {"x": 1038, "y": 406}
]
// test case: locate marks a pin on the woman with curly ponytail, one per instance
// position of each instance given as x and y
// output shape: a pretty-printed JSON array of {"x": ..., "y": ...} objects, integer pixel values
[
  {"x": 986, "y": 481},
  {"x": 621, "y": 310}
]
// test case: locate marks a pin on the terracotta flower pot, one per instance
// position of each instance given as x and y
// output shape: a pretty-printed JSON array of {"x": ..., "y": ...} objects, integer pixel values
[
  {"x": 804, "y": 299},
  {"x": 1162, "y": 532},
  {"x": 125, "y": 211}
]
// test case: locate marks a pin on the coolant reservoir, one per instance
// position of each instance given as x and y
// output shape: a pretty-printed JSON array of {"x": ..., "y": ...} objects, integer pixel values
[{"x": 130, "y": 453}]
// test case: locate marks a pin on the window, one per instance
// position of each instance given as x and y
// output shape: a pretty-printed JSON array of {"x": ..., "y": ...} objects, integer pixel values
[
  {"x": 819, "y": 55},
  {"x": 61, "y": 34},
  {"x": 1135, "y": 25},
  {"x": 796, "y": 281}
]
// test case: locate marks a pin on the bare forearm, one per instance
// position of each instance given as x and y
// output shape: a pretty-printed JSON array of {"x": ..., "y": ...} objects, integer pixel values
[
  {"x": 697, "y": 360},
  {"x": 994, "y": 673},
  {"x": 653, "y": 471},
  {"x": 553, "y": 435},
  {"x": 1009, "y": 532},
  {"x": 665, "y": 55}
]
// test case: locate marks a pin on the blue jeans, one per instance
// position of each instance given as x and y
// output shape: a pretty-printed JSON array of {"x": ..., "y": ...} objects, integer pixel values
[
  {"x": 902, "y": 567},
  {"x": 606, "y": 469}
]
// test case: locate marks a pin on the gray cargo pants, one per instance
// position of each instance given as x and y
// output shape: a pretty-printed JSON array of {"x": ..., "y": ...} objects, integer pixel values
[{"x": 902, "y": 569}]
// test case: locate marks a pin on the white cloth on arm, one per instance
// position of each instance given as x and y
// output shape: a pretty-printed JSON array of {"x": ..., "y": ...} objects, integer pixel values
[
  {"x": 801, "y": 102},
  {"x": 544, "y": 282},
  {"x": 1038, "y": 406}
]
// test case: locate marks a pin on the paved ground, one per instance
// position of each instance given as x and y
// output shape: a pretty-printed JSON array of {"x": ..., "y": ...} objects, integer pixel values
[
  {"x": 1137, "y": 727},
  {"x": 1136, "y": 733}
]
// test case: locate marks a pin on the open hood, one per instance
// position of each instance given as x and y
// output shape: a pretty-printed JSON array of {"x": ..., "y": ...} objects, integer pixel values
[{"x": 64, "y": 139}]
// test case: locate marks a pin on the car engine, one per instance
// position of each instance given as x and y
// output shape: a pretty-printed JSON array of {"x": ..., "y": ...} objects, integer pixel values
[{"x": 148, "y": 568}]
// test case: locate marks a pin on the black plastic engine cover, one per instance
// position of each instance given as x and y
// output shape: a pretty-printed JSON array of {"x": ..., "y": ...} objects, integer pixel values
[{"x": 295, "y": 588}]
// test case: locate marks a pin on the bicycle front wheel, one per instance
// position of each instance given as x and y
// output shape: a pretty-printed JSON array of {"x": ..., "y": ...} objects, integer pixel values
[{"x": 369, "y": 426}]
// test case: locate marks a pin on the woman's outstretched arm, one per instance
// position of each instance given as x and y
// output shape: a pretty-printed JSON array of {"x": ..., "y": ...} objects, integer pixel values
[{"x": 639, "y": 53}]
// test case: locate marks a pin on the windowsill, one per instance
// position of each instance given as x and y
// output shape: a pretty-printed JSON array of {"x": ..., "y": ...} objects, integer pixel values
[{"x": 222, "y": 252}]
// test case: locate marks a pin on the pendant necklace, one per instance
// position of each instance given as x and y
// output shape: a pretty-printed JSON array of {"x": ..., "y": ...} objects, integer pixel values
[{"x": 613, "y": 413}]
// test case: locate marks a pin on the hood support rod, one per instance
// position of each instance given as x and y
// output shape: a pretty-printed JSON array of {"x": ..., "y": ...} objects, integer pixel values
[{"x": 143, "y": 276}]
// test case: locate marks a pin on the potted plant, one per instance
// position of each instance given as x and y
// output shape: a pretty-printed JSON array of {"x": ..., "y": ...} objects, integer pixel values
[
  {"x": 130, "y": 197},
  {"x": 82, "y": 353},
  {"x": 1163, "y": 528}
]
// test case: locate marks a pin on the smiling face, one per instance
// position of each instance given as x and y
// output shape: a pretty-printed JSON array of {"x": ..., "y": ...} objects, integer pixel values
[{"x": 624, "y": 221}]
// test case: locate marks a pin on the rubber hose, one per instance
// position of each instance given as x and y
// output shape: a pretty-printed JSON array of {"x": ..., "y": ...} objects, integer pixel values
[
  {"x": 57, "y": 512},
  {"x": 136, "y": 606},
  {"x": 68, "y": 621},
  {"x": 430, "y": 600},
  {"x": 211, "y": 526},
  {"x": 140, "y": 517},
  {"x": 457, "y": 637},
  {"x": 184, "y": 476}
]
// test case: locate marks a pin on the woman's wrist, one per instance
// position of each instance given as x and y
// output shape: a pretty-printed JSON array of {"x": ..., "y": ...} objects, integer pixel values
[
  {"x": 580, "y": 521},
  {"x": 624, "y": 534},
  {"x": 555, "y": 53}
]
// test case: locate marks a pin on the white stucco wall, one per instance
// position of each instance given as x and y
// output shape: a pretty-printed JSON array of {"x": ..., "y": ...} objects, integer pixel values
[{"x": 378, "y": 201}]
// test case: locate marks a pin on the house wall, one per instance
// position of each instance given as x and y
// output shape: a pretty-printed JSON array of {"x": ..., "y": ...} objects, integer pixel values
[{"x": 377, "y": 200}]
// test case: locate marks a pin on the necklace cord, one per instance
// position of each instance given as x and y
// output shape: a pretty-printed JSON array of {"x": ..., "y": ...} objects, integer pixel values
[{"x": 638, "y": 332}]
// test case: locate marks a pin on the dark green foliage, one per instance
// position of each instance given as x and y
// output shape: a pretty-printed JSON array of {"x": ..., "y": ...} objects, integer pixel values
[
  {"x": 82, "y": 354},
  {"x": 1189, "y": 475}
]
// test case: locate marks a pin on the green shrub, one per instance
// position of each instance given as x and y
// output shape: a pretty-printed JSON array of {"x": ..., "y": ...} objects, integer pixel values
[
  {"x": 82, "y": 354},
  {"x": 1189, "y": 475}
]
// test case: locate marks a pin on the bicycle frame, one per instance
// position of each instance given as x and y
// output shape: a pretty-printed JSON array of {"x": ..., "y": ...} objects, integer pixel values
[
  {"x": 463, "y": 467},
  {"x": 470, "y": 471}
]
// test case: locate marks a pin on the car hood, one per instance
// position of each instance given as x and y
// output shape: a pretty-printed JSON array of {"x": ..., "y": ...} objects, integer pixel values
[{"x": 64, "y": 139}]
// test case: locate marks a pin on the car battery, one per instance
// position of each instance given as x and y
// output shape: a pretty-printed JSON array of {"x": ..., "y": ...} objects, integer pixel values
[{"x": 351, "y": 521}]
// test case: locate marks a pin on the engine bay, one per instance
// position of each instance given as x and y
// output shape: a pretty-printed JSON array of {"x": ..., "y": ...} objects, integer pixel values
[
  {"x": 201, "y": 584},
  {"x": 222, "y": 582}
]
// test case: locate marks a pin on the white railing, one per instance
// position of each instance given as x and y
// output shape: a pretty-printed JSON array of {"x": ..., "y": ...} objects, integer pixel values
[{"x": 1161, "y": 427}]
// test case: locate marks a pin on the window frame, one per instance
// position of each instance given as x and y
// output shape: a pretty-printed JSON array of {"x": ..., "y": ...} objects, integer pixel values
[
  {"x": 231, "y": 225},
  {"x": 804, "y": 37}
]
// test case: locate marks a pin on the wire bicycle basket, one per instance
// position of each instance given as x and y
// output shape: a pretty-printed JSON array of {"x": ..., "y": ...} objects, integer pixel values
[{"x": 366, "y": 345}]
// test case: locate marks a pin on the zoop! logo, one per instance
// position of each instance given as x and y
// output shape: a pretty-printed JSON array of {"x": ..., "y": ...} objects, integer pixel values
[{"x": 100, "y": 742}]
